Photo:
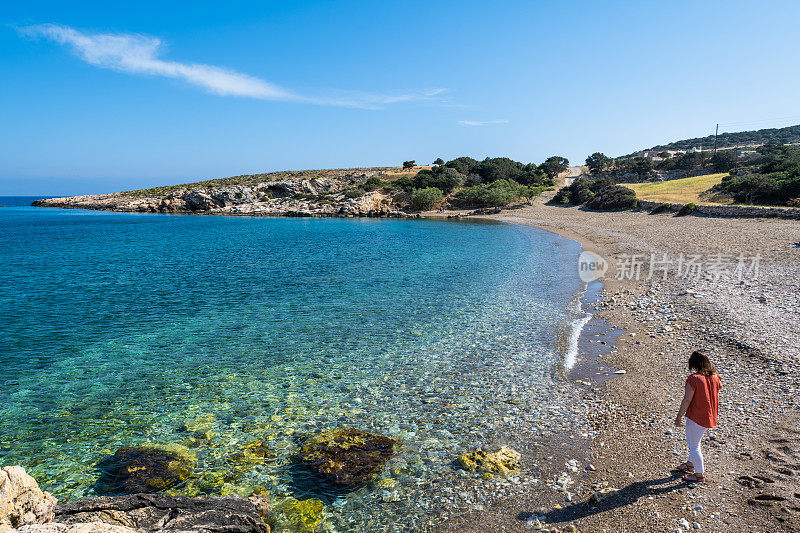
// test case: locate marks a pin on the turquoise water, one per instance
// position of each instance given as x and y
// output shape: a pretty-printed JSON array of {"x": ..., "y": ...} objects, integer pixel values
[{"x": 121, "y": 329}]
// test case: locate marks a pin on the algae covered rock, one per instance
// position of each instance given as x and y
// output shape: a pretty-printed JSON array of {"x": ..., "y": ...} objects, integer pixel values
[
  {"x": 504, "y": 461},
  {"x": 298, "y": 515},
  {"x": 346, "y": 457},
  {"x": 144, "y": 469},
  {"x": 256, "y": 452}
]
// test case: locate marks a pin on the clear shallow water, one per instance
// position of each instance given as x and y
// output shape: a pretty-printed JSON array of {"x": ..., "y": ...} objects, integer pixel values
[{"x": 118, "y": 328}]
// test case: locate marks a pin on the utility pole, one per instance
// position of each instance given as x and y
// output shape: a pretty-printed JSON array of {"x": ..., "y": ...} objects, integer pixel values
[{"x": 715, "y": 138}]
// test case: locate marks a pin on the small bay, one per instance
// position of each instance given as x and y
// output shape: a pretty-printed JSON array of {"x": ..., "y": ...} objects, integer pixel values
[{"x": 125, "y": 329}]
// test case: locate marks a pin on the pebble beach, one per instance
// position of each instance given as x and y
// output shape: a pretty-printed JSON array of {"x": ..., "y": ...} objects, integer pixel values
[{"x": 617, "y": 476}]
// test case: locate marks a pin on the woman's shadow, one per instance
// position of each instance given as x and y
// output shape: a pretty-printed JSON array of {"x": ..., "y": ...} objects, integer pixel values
[{"x": 613, "y": 500}]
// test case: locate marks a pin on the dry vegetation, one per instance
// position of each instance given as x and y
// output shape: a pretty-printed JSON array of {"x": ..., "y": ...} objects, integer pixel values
[{"x": 696, "y": 190}]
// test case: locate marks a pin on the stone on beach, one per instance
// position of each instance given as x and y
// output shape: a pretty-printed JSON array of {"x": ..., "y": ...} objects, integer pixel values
[
  {"x": 346, "y": 457},
  {"x": 504, "y": 461},
  {"x": 21, "y": 500},
  {"x": 144, "y": 469}
]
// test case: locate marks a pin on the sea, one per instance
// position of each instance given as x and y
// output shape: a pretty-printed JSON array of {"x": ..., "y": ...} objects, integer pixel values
[{"x": 123, "y": 329}]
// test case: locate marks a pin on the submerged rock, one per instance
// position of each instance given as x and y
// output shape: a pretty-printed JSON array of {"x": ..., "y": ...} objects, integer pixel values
[
  {"x": 298, "y": 515},
  {"x": 144, "y": 469},
  {"x": 21, "y": 500},
  {"x": 256, "y": 452},
  {"x": 162, "y": 512},
  {"x": 504, "y": 461},
  {"x": 346, "y": 457},
  {"x": 200, "y": 422}
]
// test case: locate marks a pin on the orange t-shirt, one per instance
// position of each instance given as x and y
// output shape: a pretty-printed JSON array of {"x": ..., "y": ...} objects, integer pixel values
[{"x": 704, "y": 408}]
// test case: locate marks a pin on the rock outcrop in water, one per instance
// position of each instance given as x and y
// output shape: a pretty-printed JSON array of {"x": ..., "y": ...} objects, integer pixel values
[
  {"x": 143, "y": 469},
  {"x": 21, "y": 500},
  {"x": 504, "y": 461},
  {"x": 307, "y": 194},
  {"x": 346, "y": 457}
]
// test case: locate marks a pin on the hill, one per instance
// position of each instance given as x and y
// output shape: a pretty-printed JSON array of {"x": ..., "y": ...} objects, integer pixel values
[
  {"x": 463, "y": 183},
  {"x": 789, "y": 134}
]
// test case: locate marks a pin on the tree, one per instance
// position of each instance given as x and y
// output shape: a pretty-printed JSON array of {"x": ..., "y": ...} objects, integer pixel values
[
  {"x": 409, "y": 164},
  {"x": 442, "y": 178},
  {"x": 598, "y": 162},
  {"x": 422, "y": 199},
  {"x": 465, "y": 165},
  {"x": 724, "y": 160},
  {"x": 439, "y": 161},
  {"x": 555, "y": 165},
  {"x": 642, "y": 166}
]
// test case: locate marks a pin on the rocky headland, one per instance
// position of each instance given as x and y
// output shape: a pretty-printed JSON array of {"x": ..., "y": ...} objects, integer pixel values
[{"x": 313, "y": 193}]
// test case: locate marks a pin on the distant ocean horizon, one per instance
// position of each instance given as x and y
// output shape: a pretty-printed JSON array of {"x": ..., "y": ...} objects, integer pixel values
[
  {"x": 19, "y": 201},
  {"x": 125, "y": 329}
]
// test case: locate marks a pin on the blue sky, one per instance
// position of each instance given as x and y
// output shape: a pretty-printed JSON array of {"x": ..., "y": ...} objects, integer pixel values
[{"x": 99, "y": 96}]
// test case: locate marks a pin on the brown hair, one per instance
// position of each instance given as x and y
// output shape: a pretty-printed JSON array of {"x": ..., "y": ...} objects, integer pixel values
[{"x": 700, "y": 363}]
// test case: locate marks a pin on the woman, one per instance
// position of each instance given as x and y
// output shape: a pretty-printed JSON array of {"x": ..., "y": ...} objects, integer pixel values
[{"x": 700, "y": 405}]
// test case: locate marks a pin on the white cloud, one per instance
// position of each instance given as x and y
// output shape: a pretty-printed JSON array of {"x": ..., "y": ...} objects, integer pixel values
[
  {"x": 139, "y": 54},
  {"x": 481, "y": 122}
]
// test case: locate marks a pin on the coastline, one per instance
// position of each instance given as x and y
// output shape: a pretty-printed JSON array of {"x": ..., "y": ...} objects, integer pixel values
[
  {"x": 502, "y": 398},
  {"x": 635, "y": 444},
  {"x": 628, "y": 439}
]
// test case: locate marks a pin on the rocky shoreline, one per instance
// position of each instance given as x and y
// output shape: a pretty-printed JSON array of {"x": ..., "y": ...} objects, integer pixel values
[
  {"x": 137, "y": 478},
  {"x": 614, "y": 473},
  {"x": 300, "y": 194}
]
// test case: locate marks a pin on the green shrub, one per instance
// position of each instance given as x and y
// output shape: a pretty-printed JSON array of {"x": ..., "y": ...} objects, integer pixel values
[
  {"x": 661, "y": 208},
  {"x": 371, "y": 184},
  {"x": 581, "y": 190},
  {"x": 775, "y": 180},
  {"x": 404, "y": 184},
  {"x": 443, "y": 178},
  {"x": 612, "y": 198},
  {"x": 353, "y": 193},
  {"x": 496, "y": 194},
  {"x": 687, "y": 209},
  {"x": 464, "y": 165},
  {"x": 422, "y": 199}
]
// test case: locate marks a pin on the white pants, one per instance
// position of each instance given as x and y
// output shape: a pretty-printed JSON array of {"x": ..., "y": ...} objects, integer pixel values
[{"x": 694, "y": 434}]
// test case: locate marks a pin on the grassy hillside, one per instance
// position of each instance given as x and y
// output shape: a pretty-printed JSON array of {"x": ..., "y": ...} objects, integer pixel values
[
  {"x": 789, "y": 134},
  {"x": 357, "y": 175},
  {"x": 682, "y": 191}
]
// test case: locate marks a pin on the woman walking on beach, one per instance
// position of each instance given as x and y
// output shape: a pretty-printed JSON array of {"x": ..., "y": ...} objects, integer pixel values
[{"x": 700, "y": 405}]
